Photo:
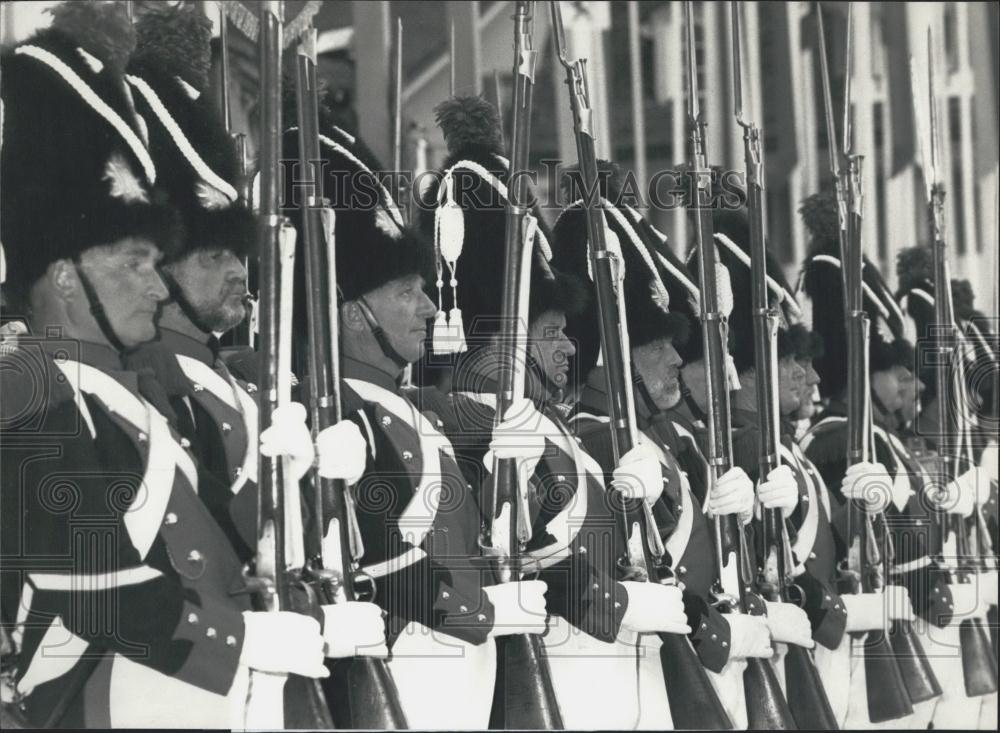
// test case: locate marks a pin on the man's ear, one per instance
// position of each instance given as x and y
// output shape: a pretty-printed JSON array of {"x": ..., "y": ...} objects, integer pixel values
[
  {"x": 351, "y": 316},
  {"x": 63, "y": 278}
]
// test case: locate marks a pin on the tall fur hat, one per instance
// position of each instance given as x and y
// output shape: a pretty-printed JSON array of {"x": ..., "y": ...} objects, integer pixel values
[
  {"x": 731, "y": 231},
  {"x": 464, "y": 210},
  {"x": 79, "y": 171},
  {"x": 197, "y": 159},
  {"x": 649, "y": 308},
  {"x": 373, "y": 244},
  {"x": 823, "y": 284}
]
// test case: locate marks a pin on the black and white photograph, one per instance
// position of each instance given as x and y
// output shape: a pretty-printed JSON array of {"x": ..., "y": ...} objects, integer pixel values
[{"x": 489, "y": 365}]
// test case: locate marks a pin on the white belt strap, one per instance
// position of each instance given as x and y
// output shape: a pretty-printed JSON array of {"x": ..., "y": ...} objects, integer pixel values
[
  {"x": 677, "y": 543},
  {"x": 806, "y": 536},
  {"x": 238, "y": 399},
  {"x": 165, "y": 456},
  {"x": 418, "y": 517}
]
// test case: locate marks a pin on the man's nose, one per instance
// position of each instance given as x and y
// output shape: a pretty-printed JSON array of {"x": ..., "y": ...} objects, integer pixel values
[
  {"x": 157, "y": 288},
  {"x": 426, "y": 309},
  {"x": 567, "y": 346}
]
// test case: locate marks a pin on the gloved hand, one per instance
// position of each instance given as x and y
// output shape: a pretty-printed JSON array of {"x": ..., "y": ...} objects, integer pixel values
[
  {"x": 865, "y": 611},
  {"x": 869, "y": 482},
  {"x": 732, "y": 494},
  {"x": 749, "y": 636},
  {"x": 519, "y": 607},
  {"x": 289, "y": 436},
  {"x": 988, "y": 588},
  {"x": 898, "y": 603},
  {"x": 354, "y": 629},
  {"x": 779, "y": 491},
  {"x": 518, "y": 437},
  {"x": 654, "y": 607},
  {"x": 789, "y": 624},
  {"x": 639, "y": 475},
  {"x": 967, "y": 602},
  {"x": 342, "y": 452},
  {"x": 283, "y": 642},
  {"x": 984, "y": 486},
  {"x": 989, "y": 459},
  {"x": 960, "y": 494}
]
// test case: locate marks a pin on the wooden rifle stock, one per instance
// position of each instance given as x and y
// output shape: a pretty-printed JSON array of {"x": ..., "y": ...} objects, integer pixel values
[
  {"x": 807, "y": 697},
  {"x": 692, "y": 698},
  {"x": 523, "y": 696},
  {"x": 360, "y": 690},
  {"x": 303, "y": 699},
  {"x": 766, "y": 706}
]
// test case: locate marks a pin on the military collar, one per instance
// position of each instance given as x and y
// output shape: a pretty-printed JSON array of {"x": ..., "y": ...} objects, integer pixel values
[
  {"x": 742, "y": 418},
  {"x": 478, "y": 373},
  {"x": 594, "y": 397},
  {"x": 354, "y": 369},
  {"x": 681, "y": 414},
  {"x": 99, "y": 356},
  {"x": 180, "y": 343}
]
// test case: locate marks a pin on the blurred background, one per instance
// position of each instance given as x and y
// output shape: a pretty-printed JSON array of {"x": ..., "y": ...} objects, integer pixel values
[{"x": 636, "y": 65}]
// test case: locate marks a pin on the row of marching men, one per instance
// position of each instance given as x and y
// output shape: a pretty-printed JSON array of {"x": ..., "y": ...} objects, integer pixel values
[{"x": 130, "y": 446}]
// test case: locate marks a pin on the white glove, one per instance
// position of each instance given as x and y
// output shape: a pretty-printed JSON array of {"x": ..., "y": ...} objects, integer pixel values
[
  {"x": 988, "y": 587},
  {"x": 984, "y": 486},
  {"x": 342, "y": 452},
  {"x": 639, "y": 475},
  {"x": 354, "y": 629},
  {"x": 283, "y": 642},
  {"x": 732, "y": 494},
  {"x": 989, "y": 459},
  {"x": 789, "y": 624},
  {"x": 865, "y": 611},
  {"x": 780, "y": 490},
  {"x": 960, "y": 494},
  {"x": 869, "y": 482},
  {"x": 518, "y": 437},
  {"x": 654, "y": 607},
  {"x": 898, "y": 603},
  {"x": 966, "y": 597},
  {"x": 749, "y": 636},
  {"x": 288, "y": 436},
  {"x": 519, "y": 607}
]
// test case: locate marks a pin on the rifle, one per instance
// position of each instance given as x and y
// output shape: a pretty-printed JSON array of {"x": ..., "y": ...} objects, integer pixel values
[
  {"x": 888, "y": 697},
  {"x": 979, "y": 665},
  {"x": 524, "y": 696},
  {"x": 807, "y": 698},
  {"x": 766, "y": 706},
  {"x": 693, "y": 700},
  {"x": 244, "y": 333},
  {"x": 360, "y": 690},
  {"x": 279, "y": 551}
]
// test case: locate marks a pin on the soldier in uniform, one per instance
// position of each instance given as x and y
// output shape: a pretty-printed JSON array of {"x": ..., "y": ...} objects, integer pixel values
[
  {"x": 894, "y": 481},
  {"x": 117, "y": 580},
  {"x": 978, "y": 471},
  {"x": 595, "y": 619},
  {"x": 417, "y": 514},
  {"x": 214, "y": 411},
  {"x": 660, "y": 316},
  {"x": 813, "y": 543}
]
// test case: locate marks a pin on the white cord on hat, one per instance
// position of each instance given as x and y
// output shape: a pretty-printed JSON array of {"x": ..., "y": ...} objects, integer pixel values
[{"x": 783, "y": 295}]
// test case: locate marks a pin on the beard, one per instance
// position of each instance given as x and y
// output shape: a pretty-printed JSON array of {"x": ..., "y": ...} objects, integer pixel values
[{"x": 222, "y": 316}]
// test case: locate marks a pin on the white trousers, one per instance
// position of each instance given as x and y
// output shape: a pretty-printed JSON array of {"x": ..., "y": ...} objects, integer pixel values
[{"x": 444, "y": 683}]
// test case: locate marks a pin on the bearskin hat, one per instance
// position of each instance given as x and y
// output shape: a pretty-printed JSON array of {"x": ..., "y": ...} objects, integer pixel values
[
  {"x": 198, "y": 161},
  {"x": 464, "y": 210},
  {"x": 373, "y": 244},
  {"x": 73, "y": 149},
  {"x": 648, "y": 304},
  {"x": 731, "y": 231},
  {"x": 823, "y": 284}
]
